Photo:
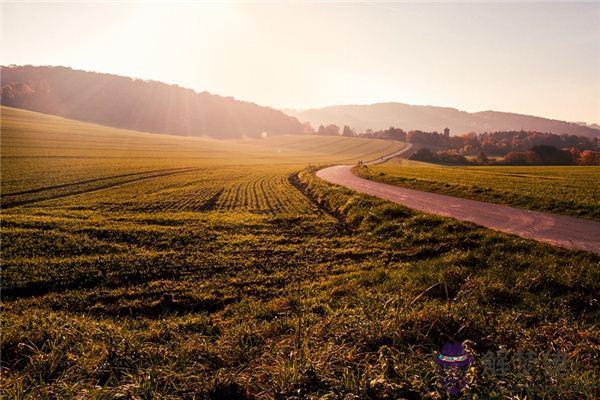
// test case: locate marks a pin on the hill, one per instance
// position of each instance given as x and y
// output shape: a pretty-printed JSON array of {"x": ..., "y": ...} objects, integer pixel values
[
  {"x": 129, "y": 103},
  {"x": 46, "y": 156},
  {"x": 430, "y": 118}
]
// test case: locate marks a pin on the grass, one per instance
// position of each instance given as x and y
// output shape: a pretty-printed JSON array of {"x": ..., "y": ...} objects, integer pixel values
[
  {"x": 258, "y": 280},
  {"x": 569, "y": 190},
  {"x": 40, "y": 152}
]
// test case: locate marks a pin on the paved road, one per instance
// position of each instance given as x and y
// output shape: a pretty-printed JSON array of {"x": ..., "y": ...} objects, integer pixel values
[
  {"x": 404, "y": 152},
  {"x": 558, "y": 230}
]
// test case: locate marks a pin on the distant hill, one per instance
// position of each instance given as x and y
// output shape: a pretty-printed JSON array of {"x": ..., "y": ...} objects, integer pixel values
[
  {"x": 138, "y": 104},
  {"x": 430, "y": 118}
]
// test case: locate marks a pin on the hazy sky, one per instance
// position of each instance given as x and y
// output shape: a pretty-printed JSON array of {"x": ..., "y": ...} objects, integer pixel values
[{"x": 540, "y": 59}]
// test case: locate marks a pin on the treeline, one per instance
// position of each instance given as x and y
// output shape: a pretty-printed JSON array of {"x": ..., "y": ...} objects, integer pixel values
[
  {"x": 537, "y": 155},
  {"x": 334, "y": 130},
  {"x": 502, "y": 143},
  {"x": 471, "y": 144},
  {"x": 516, "y": 147}
]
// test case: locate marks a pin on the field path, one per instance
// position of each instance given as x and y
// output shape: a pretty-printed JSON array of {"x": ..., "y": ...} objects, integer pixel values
[{"x": 555, "y": 229}]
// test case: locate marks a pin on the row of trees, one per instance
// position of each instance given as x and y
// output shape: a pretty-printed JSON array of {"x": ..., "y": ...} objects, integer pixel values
[
  {"x": 334, "y": 130},
  {"x": 471, "y": 144},
  {"x": 537, "y": 155},
  {"x": 516, "y": 147},
  {"x": 550, "y": 155}
]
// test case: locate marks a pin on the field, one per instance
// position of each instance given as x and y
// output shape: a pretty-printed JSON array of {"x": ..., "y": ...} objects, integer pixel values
[
  {"x": 569, "y": 190},
  {"x": 46, "y": 156},
  {"x": 147, "y": 266}
]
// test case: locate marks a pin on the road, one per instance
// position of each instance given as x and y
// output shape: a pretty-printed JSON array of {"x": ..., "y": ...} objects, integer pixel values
[
  {"x": 558, "y": 230},
  {"x": 400, "y": 153}
]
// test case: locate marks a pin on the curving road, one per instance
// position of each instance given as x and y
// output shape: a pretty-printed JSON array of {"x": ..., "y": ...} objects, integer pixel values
[{"x": 558, "y": 230}]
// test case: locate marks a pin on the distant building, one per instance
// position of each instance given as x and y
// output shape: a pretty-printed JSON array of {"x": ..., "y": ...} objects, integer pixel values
[{"x": 447, "y": 132}]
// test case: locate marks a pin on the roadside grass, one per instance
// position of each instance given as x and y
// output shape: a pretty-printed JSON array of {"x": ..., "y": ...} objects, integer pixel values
[{"x": 568, "y": 190}]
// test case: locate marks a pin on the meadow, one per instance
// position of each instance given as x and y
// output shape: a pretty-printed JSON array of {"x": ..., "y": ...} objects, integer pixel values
[
  {"x": 569, "y": 190},
  {"x": 147, "y": 266},
  {"x": 44, "y": 153}
]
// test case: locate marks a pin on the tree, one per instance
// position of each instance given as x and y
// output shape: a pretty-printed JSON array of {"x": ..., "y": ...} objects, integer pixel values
[
  {"x": 550, "y": 155},
  {"x": 307, "y": 129},
  {"x": 482, "y": 158},
  {"x": 516, "y": 158},
  {"x": 348, "y": 131},
  {"x": 333, "y": 130},
  {"x": 329, "y": 130},
  {"x": 423, "y": 154},
  {"x": 589, "y": 157}
]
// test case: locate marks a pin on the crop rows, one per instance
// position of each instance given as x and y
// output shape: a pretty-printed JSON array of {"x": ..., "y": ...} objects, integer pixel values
[
  {"x": 265, "y": 194},
  {"x": 263, "y": 190}
]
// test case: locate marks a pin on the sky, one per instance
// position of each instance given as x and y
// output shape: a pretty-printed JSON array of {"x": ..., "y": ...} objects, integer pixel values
[{"x": 538, "y": 59}]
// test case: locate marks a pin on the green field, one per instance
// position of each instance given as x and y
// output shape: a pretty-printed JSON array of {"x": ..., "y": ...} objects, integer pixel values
[
  {"x": 41, "y": 152},
  {"x": 569, "y": 190},
  {"x": 147, "y": 266}
]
